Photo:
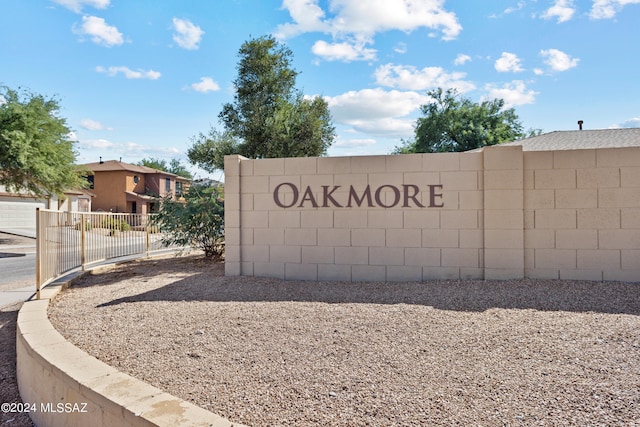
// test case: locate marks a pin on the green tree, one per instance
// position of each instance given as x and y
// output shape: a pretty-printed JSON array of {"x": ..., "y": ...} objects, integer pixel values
[
  {"x": 199, "y": 222},
  {"x": 453, "y": 123},
  {"x": 269, "y": 117},
  {"x": 154, "y": 164},
  {"x": 36, "y": 152},
  {"x": 175, "y": 166}
]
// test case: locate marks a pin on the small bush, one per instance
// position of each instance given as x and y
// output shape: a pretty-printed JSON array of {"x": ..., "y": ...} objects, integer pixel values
[
  {"x": 198, "y": 222},
  {"x": 115, "y": 224},
  {"x": 87, "y": 226}
]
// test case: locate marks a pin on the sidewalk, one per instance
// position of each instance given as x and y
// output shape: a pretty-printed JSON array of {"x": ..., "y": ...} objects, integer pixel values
[{"x": 16, "y": 295}]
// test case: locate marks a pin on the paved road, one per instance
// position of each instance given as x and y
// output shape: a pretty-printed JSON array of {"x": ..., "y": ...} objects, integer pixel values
[{"x": 17, "y": 268}]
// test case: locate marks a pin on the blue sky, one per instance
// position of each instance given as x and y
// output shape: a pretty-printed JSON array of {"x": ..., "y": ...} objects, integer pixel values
[{"x": 139, "y": 78}]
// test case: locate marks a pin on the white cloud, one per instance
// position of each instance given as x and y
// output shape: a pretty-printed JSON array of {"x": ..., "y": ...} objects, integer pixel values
[
  {"x": 90, "y": 124},
  {"x": 400, "y": 48},
  {"x": 508, "y": 62},
  {"x": 91, "y": 144},
  {"x": 461, "y": 59},
  {"x": 307, "y": 17},
  {"x": 207, "y": 84},
  {"x": 99, "y": 31},
  {"x": 77, "y": 5},
  {"x": 387, "y": 126},
  {"x": 361, "y": 21},
  {"x": 345, "y": 51},
  {"x": 558, "y": 60},
  {"x": 562, "y": 9},
  {"x": 374, "y": 103},
  {"x": 129, "y": 73},
  {"x": 377, "y": 111},
  {"x": 513, "y": 94},
  {"x": 126, "y": 149},
  {"x": 630, "y": 123},
  {"x": 538, "y": 71},
  {"x": 520, "y": 6},
  {"x": 187, "y": 35},
  {"x": 411, "y": 78},
  {"x": 606, "y": 9},
  {"x": 353, "y": 143}
]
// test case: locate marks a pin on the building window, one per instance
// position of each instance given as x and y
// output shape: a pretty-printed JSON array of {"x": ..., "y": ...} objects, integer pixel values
[
  {"x": 178, "y": 189},
  {"x": 136, "y": 179},
  {"x": 167, "y": 185},
  {"x": 90, "y": 179}
]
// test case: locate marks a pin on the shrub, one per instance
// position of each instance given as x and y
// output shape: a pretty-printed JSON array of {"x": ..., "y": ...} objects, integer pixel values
[
  {"x": 198, "y": 222},
  {"x": 115, "y": 224},
  {"x": 87, "y": 226}
]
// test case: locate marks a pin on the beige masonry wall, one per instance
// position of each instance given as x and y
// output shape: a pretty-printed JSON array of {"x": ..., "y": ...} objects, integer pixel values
[
  {"x": 498, "y": 213},
  {"x": 582, "y": 214}
]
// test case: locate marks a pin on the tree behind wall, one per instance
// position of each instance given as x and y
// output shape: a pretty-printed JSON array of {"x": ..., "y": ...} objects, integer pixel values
[
  {"x": 36, "y": 153},
  {"x": 175, "y": 166},
  {"x": 454, "y": 123},
  {"x": 269, "y": 117}
]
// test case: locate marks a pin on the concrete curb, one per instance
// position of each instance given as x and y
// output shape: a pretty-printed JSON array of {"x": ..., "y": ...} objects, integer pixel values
[{"x": 65, "y": 386}]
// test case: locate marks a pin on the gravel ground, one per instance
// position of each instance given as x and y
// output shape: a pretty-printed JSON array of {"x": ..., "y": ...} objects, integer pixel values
[
  {"x": 8, "y": 383},
  {"x": 268, "y": 352}
]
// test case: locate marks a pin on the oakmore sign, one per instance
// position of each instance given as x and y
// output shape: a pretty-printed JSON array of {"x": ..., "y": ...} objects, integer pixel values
[
  {"x": 496, "y": 213},
  {"x": 327, "y": 196}
]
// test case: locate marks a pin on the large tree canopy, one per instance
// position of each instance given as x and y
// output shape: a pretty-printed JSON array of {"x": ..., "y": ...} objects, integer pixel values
[
  {"x": 175, "y": 166},
  {"x": 269, "y": 117},
  {"x": 36, "y": 153},
  {"x": 453, "y": 123}
]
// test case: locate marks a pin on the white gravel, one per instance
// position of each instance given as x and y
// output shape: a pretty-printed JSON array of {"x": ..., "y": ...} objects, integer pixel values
[{"x": 268, "y": 352}]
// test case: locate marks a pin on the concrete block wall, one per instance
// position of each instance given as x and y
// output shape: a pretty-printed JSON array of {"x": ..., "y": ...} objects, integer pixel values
[
  {"x": 582, "y": 211},
  {"x": 503, "y": 213},
  {"x": 421, "y": 217},
  {"x": 497, "y": 213}
]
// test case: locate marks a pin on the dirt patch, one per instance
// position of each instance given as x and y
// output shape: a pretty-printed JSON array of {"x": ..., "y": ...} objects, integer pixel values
[{"x": 270, "y": 352}]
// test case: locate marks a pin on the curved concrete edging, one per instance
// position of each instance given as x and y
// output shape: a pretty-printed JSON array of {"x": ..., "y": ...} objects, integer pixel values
[{"x": 64, "y": 386}]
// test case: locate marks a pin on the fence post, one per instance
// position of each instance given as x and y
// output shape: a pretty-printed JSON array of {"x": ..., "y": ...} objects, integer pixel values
[
  {"x": 83, "y": 241},
  {"x": 146, "y": 234},
  {"x": 38, "y": 251}
]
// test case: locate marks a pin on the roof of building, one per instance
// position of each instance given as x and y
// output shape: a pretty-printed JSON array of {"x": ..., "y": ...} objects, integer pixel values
[
  {"x": 115, "y": 165},
  {"x": 581, "y": 140}
]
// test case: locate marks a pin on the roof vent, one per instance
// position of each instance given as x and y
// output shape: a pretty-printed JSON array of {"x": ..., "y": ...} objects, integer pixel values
[
  {"x": 101, "y": 162},
  {"x": 580, "y": 122}
]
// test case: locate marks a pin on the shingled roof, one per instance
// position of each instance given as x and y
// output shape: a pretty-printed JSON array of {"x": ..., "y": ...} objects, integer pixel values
[{"x": 581, "y": 140}]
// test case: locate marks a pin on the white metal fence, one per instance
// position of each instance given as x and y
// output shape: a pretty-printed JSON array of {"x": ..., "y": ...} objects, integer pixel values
[{"x": 68, "y": 240}]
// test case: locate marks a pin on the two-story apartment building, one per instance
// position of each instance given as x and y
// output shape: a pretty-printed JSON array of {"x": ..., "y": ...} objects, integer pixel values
[{"x": 123, "y": 187}]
